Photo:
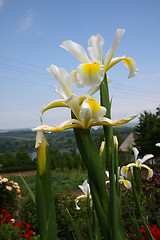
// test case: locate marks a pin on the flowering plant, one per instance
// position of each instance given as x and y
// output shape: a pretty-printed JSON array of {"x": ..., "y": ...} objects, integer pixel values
[
  {"x": 9, "y": 192},
  {"x": 102, "y": 166},
  {"x": 24, "y": 229}
]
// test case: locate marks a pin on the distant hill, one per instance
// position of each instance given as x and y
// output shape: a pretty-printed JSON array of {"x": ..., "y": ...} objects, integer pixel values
[{"x": 24, "y": 139}]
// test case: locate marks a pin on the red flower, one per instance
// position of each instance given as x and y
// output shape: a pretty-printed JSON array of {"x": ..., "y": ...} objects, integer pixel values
[
  {"x": 17, "y": 225},
  {"x": 154, "y": 230},
  {"x": 24, "y": 223},
  {"x": 26, "y": 235},
  {"x": 24, "y": 228},
  {"x": 27, "y": 227},
  {"x": 8, "y": 215},
  {"x": 30, "y": 232}
]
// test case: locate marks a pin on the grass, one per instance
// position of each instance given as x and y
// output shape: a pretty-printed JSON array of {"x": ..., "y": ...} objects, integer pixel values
[{"x": 62, "y": 181}]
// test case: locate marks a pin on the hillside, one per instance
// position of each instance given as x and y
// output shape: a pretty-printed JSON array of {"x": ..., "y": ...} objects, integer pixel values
[{"x": 24, "y": 139}]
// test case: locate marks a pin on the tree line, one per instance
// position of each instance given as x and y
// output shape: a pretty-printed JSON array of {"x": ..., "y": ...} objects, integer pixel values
[
  {"x": 147, "y": 133},
  {"x": 22, "y": 161}
]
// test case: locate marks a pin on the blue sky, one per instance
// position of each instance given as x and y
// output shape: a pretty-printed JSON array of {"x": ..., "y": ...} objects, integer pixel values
[{"x": 30, "y": 36}]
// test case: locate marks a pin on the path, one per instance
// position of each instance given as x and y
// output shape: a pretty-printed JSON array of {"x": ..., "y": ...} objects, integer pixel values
[{"x": 28, "y": 173}]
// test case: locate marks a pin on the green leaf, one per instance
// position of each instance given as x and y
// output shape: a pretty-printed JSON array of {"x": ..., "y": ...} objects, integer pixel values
[
  {"x": 96, "y": 176},
  {"x": 138, "y": 179},
  {"x": 112, "y": 163},
  {"x": 29, "y": 189},
  {"x": 44, "y": 199},
  {"x": 89, "y": 217},
  {"x": 136, "y": 227},
  {"x": 97, "y": 233},
  {"x": 75, "y": 227},
  {"x": 153, "y": 209}
]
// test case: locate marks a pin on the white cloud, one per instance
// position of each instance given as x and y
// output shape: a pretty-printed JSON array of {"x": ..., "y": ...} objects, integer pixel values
[
  {"x": 1, "y": 3},
  {"x": 27, "y": 21},
  {"x": 151, "y": 75}
]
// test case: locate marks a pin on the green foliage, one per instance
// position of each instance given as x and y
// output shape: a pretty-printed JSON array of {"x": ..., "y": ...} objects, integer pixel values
[
  {"x": 27, "y": 213},
  {"x": 9, "y": 232},
  {"x": 149, "y": 203},
  {"x": 64, "y": 227},
  {"x": 65, "y": 185},
  {"x": 62, "y": 202},
  {"x": 21, "y": 161},
  {"x": 147, "y": 133},
  {"x": 20, "y": 140},
  {"x": 61, "y": 161},
  {"x": 98, "y": 140}
]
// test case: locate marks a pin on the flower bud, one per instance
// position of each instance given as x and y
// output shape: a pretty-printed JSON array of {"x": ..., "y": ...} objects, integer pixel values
[
  {"x": 115, "y": 141},
  {"x": 41, "y": 145},
  {"x": 101, "y": 147}
]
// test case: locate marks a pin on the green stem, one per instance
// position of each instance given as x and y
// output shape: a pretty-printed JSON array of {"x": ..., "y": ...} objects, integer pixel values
[
  {"x": 115, "y": 214},
  {"x": 96, "y": 176}
]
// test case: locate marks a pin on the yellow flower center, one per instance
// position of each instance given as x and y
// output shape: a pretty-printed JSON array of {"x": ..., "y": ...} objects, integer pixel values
[
  {"x": 91, "y": 68},
  {"x": 125, "y": 169},
  {"x": 94, "y": 105}
]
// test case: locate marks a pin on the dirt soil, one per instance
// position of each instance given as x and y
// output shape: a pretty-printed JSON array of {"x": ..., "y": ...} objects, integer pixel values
[{"x": 28, "y": 173}]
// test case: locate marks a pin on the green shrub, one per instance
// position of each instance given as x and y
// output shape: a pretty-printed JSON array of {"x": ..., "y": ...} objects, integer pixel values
[
  {"x": 62, "y": 202},
  {"x": 27, "y": 213},
  {"x": 64, "y": 227},
  {"x": 9, "y": 232},
  {"x": 9, "y": 192}
]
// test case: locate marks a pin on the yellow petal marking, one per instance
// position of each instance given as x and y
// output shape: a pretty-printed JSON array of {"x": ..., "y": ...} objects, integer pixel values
[
  {"x": 129, "y": 62},
  {"x": 125, "y": 169},
  {"x": 94, "y": 105},
  {"x": 81, "y": 99},
  {"x": 54, "y": 104},
  {"x": 91, "y": 68}
]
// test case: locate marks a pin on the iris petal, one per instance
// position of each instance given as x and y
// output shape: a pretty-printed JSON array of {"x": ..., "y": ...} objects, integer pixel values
[
  {"x": 76, "y": 49},
  {"x": 150, "y": 171},
  {"x": 54, "y": 104},
  {"x": 95, "y": 47},
  {"x": 129, "y": 62},
  {"x": 63, "y": 78},
  {"x": 111, "y": 51}
]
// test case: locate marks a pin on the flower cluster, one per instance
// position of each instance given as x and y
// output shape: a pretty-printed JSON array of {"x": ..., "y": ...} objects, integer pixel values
[
  {"x": 121, "y": 179},
  {"x": 6, "y": 217},
  {"x": 11, "y": 186},
  {"x": 154, "y": 230},
  {"x": 87, "y": 192},
  {"x": 87, "y": 111},
  {"x": 9, "y": 192},
  {"x": 24, "y": 228}
]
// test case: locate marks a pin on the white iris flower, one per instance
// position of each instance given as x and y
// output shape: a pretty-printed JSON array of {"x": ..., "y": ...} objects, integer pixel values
[
  {"x": 87, "y": 111},
  {"x": 157, "y": 145},
  {"x": 121, "y": 179},
  {"x": 86, "y": 190},
  {"x": 91, "y": 72},
  {"x": 138, "y": 163}
]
